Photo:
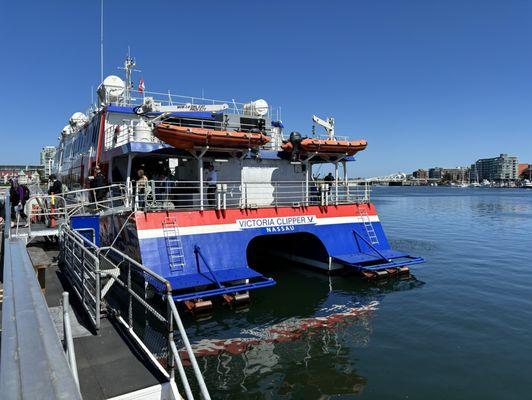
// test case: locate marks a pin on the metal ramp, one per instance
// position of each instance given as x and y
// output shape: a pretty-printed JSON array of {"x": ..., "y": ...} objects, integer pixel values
[
  {"x": 208, "y": 282},
  {"x": 174, "y": 246},
  {"x": 376, "y": 259},
  {"x": 368, "y": 226}
]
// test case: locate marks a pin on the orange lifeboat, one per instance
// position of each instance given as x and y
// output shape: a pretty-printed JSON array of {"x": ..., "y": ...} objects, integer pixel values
[
  {"x": 183, "y": 137},
  {"x": 328, "y": 146}
]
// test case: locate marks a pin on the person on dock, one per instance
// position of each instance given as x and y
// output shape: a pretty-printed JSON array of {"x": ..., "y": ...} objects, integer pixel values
[
  {"x": 211, "y": 179},
  {"x": 56, "y": 188},
  {"x": 18, "y": 196}
]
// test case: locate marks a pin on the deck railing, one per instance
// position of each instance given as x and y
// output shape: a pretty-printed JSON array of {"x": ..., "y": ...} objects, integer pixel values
[
  {"x": 101, "y": 199},
  {"x": 170, "y": 99},
  {"x": 195, "y": 195},
  {"x": 140, "y": 299}
]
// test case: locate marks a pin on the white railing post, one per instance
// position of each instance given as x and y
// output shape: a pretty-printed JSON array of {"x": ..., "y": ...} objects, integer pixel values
[
  {"x": 200, "y": 161},
  {"x": 307, "y": 173},
  {"x": 190, "y": 352},
  {"x": 67, "y": 338},
  {"x": 218, "y": 196},
  {"x": 336, "y": 183},
  {"x": 224, "y": 204}
]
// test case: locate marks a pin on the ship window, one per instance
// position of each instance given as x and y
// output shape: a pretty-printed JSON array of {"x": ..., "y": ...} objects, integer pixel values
[
  {"x": 86, "y": 138},
  {"x": 67, "y": 149},
  {"x": 152, "y": 166},
  {"x": 76, "y": 145}
]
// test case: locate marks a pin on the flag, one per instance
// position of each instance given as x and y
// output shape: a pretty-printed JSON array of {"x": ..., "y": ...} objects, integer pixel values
[{"x": 141, "y": 85}]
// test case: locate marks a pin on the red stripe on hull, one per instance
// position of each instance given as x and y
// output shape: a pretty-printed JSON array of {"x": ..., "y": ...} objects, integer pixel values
[{"x": 154, "y": 220}]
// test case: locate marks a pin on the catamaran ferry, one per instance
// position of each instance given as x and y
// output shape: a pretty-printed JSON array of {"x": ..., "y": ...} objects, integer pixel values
[{"x": 199, "y": 188}]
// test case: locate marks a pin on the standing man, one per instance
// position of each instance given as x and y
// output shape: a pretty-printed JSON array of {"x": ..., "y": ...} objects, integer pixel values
[
  {"x": 211, "y": 179},
  {"x": 142, "y": 188},
  {"x": 329, "y": 178},
  {"x": 173, "y": 187},
  {"x": 56, "y": 187},
  {"x": 98, "y": 181},
  {"x": 16, "y": 194}
]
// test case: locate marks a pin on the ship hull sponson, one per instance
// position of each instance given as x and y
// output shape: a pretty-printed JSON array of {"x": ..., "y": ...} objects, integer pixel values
[{"x": 226, "y": 237}]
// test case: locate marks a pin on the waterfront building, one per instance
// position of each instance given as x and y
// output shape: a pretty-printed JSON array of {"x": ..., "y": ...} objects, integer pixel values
[
  {"x": 502, "y": 168},
  {"x": 421, "y": 174},
  {"x": 524, "y": 171},
  {"x": 458, "y": 174},
  {"x": 435, "y": 173},
  {"x": 22, "y": 172},
  {"x": 47, "y": 159}
]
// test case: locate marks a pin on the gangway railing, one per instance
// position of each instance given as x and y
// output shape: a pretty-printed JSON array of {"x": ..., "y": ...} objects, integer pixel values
[
  {"x": 196, "y": 195},
  {"x": 81, "y": 263},
  {"x": 46, "y": 212},
  {"x": 100, "y": 199},
  {"x": 31, "y": 349},
  {"x": 140, "y": 299}
]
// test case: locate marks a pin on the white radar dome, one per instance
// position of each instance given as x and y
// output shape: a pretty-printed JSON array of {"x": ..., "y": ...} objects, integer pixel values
[
  {"x": 258, "y": 107},
  {"x": 78, "y": 119},
  {"x": 111, "y": 88},
  {"x": 67, "y": 130}
]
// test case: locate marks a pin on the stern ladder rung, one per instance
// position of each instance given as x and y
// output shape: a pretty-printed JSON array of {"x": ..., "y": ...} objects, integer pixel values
[
  {"x": 174, "y": 246},
  {"x": 368, "y": 226}
]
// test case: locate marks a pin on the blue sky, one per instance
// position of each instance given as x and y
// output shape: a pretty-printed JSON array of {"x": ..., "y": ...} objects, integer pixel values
[{"x": 427, "y": 83}]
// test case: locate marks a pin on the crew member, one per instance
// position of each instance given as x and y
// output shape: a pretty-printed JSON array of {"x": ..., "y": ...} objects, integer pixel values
[
  {"x": 329, "y": 178},
  {"x": 56, "y": 187},
  {"x": 98, "y": 181},
  {"x": 142, "y": 186}
]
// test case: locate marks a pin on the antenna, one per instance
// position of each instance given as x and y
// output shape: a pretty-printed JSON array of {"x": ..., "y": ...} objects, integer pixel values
[
  {"x": 101, "y": 41},
  {"x": 129, "y": 65}
]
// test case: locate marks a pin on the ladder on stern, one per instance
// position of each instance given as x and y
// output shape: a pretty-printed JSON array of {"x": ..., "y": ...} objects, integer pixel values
[
  {"x": 174, "y": 246},
  {"x": 368, "y": 226}
]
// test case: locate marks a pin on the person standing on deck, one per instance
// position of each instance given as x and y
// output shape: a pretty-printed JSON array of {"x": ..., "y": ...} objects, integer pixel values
[
  {"x": 142, "y": 183},
  {"x": 329, "y": 179},
  {"x": 212, "y": 179},
  {"x": 173, "y": 179},
  {"x": 97, "y": 182},
  {"x": 56, "y": 187}
]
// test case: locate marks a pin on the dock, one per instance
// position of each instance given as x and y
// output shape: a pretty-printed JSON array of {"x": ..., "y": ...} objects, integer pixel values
[{"x": 98, "y": 346}]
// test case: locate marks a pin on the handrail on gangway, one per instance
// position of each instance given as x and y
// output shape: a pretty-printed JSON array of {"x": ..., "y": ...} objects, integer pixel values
[
  {"x": 31, "y": 349},
  {"x": 121, "y": 270}
]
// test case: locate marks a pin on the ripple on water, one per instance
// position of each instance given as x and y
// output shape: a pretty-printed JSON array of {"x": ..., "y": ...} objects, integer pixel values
[{"x": 458, "y": 328}]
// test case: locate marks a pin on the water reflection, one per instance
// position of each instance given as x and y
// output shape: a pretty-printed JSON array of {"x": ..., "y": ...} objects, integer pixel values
[
  {"x": 298, "y": 339},
  {"x": 501, "y": 210}
]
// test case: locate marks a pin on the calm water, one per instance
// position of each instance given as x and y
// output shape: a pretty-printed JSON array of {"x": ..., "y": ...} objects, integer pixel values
[{"x": 460, "y": 328}]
